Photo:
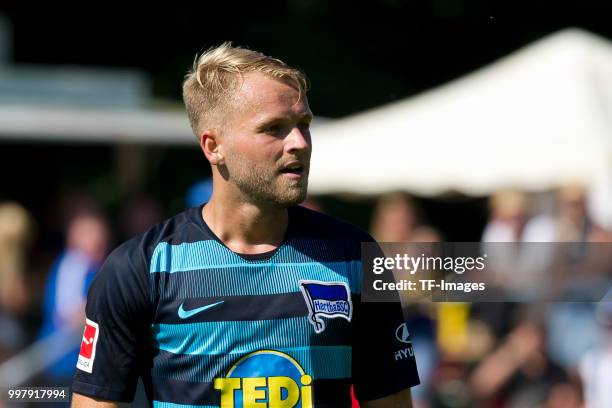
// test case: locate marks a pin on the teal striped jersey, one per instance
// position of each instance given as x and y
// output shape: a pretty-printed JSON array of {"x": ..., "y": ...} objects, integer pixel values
[{"x": 207, "y": 327}]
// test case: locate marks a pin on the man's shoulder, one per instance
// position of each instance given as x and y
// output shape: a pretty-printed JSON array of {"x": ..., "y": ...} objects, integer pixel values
[
  {"x": 313, "y": 224},
  {"x": 128, "y": 267}
]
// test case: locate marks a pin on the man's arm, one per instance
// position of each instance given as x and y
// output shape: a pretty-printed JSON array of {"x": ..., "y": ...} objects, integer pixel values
[
  {"x": 118, "y": 311},
  {"x": 81, "y": 401},
  {"x": 400, "y": 399},
  {"x": 384, "y": 366}
]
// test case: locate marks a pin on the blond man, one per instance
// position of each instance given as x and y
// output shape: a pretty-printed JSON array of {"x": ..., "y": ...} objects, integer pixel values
[{"x": 248, "y": 300}]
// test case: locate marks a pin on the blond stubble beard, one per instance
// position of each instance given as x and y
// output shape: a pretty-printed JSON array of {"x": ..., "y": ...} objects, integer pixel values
[{"x": 266, "y": 186}]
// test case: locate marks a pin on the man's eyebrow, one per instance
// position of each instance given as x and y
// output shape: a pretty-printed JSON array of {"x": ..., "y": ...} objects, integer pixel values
[{"x": 282, "y": 118}]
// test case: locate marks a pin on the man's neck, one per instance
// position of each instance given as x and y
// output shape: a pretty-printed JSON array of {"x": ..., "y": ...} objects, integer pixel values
[{"x": 245, "y": 227}]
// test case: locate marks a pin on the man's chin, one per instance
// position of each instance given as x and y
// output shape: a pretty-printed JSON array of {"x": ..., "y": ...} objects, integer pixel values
[
  {"x": 292, "y": 198},
  {"x": 292, "y": 202}
]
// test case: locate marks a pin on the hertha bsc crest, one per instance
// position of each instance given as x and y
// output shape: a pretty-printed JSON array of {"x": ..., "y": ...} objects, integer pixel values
[{"x": 326, "y": 299}]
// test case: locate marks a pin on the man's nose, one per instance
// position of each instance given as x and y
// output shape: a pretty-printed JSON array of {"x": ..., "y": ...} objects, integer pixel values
[{"x": 298, "y": 139}]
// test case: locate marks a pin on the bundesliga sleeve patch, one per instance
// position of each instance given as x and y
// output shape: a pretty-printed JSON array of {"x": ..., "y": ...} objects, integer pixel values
[{"x": 88, "y": 346}]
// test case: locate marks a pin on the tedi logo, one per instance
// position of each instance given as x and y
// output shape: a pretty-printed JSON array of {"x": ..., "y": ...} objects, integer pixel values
[{"x": 265, "y": 378}]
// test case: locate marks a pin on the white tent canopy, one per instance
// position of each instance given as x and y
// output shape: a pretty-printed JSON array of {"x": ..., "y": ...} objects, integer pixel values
[
  {"x": 62, "y": 124},
  {"x": 533, "y": 120}
]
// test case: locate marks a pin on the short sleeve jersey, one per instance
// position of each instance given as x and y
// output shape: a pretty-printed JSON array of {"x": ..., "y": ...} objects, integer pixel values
[{"x": 204, "y": 326}]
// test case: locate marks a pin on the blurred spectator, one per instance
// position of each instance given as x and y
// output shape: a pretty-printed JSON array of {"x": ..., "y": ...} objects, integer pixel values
[
  {"x": 426, "y": 234},
  {"x": 508, "y": 215},
  {"x": 16, "y": 235},
  {"x": 519, "y": 374},
  {"x": 199, "y": 193},
  {"x": 573, "y": 331},
  {"x": 452, "y": 319},
  {"x": 518, "y": 268},
  {"x": 395, "y": 218},
  {"x": 139, "y": 214},
  {"x": 571, "y": 223},
  {"x": 572, "y": 326},
  {"x": 87, "y": 242},
  {"x": 596, "y": 365}
]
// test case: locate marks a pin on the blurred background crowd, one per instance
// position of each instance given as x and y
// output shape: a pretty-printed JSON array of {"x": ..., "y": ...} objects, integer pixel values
[
  {"x": 95, "y": 148},
  {"x": 501, "y": 354},
  {"x": 493, "y": 354}
]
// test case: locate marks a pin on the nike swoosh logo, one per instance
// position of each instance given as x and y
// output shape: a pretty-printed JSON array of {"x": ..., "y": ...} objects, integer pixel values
[{"x": 185, "y": 314}]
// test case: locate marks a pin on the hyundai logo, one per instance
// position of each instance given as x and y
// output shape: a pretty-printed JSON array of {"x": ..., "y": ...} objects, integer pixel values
[{"x": 402, "y": 333}]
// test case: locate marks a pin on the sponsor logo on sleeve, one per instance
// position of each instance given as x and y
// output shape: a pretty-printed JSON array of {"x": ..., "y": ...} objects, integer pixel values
[
  {"x": 403, "y": 336},
  {"x": 87, "y": 354}
]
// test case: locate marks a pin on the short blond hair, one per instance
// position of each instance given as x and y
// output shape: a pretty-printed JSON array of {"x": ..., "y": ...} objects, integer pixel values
[{"x": 216, "y": 74}]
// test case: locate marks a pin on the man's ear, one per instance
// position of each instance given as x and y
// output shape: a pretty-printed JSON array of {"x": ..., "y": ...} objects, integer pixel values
[{"x": 210, "y": 145}]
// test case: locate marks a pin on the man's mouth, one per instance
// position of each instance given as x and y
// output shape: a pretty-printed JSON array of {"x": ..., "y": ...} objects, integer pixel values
[{"x": 293, "y": 168}]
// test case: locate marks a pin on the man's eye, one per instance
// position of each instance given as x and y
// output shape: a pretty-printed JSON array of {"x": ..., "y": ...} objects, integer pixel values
[
  {"x": 273, "y": 128},
  {"x": 304, "y": 125}
]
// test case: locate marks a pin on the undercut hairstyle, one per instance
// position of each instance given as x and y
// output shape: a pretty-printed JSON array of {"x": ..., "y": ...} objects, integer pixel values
[{"x": 209, "y": 87}]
